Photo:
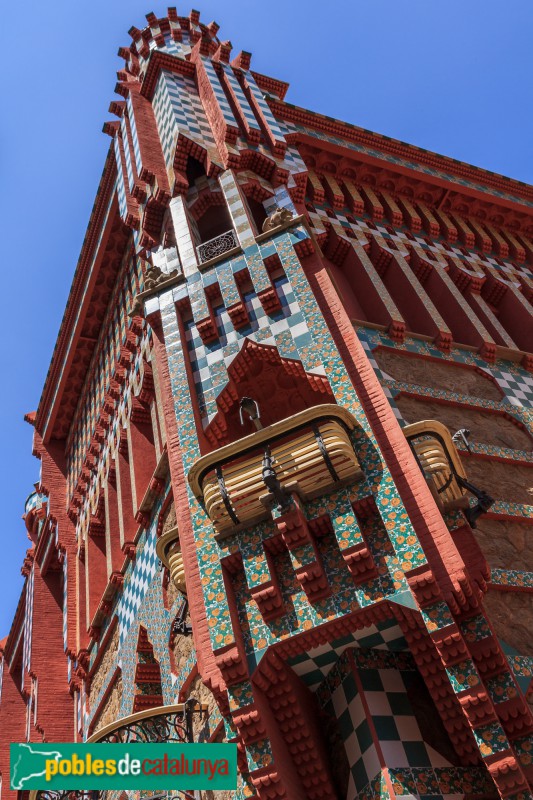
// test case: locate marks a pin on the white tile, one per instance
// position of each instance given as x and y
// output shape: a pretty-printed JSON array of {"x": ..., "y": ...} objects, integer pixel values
[
  {"x": 339, "y": 701},
  {"x": 394, "y": 754},
  {"x": 371, "y": 762},
  {"x": 408, "y": 728},
  {"x": 392, "y": 680},
  {"x": 352, "y": 791},
  {"x": 388, "y": 634},
  {"x": 351, "y": 745},
  {"x": 436, "y": 759},
  {"x": 357, "y": 712},
  {"x": 300, "y": 329},
  {"x": 378, "y": 703}
]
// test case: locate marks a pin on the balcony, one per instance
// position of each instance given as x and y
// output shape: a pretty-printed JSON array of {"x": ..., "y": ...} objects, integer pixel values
[
  {"x": 307, "y": 454},
  {"x": 214, "y": 248},
  {"x": 434, "y": 449}
]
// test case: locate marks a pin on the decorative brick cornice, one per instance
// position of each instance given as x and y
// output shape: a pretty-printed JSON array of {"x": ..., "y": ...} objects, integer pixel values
[
  {"x": 90, "y": 243},
  {"x": 387, "y": 145}
]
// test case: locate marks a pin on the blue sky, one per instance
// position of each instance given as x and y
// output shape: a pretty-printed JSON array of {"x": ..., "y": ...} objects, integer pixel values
[{"x": 454, "y": 77}]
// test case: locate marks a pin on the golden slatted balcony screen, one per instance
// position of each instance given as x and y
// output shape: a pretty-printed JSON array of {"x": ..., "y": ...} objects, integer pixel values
[
  {"x": 168, "y": 549},
  {"x": 311, "y": 453},
  {"x": 433, "y": 446}
]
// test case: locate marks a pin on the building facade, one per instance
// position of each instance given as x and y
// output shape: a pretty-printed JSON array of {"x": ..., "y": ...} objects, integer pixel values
[{"x": 285, "y": 443}]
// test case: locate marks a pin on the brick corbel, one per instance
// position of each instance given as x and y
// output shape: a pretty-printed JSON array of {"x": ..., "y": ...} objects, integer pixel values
[
  {"x": 295, "y": 533},
  {"x": 506, "y": 773},
  {"x": 249, "y": 724},
  {"x": 269, "y": 300},
  {"x": 232, "y": 664},
  {"x": 238, "y": 315},
  {"x": 129, "y": 549},
  {"x": 268, "y": 598},
  {"x": 268, "y": 784}
]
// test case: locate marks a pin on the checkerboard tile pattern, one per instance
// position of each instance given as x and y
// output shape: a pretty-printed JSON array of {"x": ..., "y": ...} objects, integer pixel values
[
  {"x": 517, "y": 385},
  {"x": 368, "y": 695},
  {"x": 287, "y": 328},
  {"x": 178, "y": 109},
  {"x": 314, "y": 666},
  {"x": 243, "y": 102},
  {"x": 265, "y": 108},
  {"x": 141, "y": 603},
  {"x": 137, "y": 582},
  {"x": 236, "y": 209}
]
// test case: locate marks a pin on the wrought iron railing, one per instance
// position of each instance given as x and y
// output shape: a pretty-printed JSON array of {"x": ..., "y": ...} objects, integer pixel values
[
  {"x": 217, "y": 246},
  {"x": 161, "y": 724},
  {"x": 78, "y": 794},
  {"x": 64, "y": 794}
]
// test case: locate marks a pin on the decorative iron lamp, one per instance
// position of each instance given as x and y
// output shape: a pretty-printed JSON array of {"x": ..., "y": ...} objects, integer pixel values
[
  {"x": 461, "y": 437},
  {"x": 434, "y": 449},
  {"x": 309, "y": 454}
]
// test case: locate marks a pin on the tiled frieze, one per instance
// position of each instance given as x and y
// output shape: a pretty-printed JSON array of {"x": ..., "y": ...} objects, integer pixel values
[
  {"x": 514, "y": 381},
  {"x": 512, "y": 578},
  {"x": 517, "y": 401},
  {"x": 446, "y": 782}
]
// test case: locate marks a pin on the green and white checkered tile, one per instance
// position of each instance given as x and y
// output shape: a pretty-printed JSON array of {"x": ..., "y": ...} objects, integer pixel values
[
  {"x": 517, "y": 385},
  {"x": 210, "y": 361},
  {"x": 313, "y": 666},
  {"x": 369, "y": 699}
]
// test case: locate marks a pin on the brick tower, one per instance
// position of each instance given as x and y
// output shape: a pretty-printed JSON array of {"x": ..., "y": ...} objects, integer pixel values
[{"x": 285, "y": 445}]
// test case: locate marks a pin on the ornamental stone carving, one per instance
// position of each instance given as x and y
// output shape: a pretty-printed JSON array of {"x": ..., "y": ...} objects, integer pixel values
[{"x": 279, "y": 217}]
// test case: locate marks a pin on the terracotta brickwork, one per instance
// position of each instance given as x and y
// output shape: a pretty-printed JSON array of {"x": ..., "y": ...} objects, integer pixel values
[{"x": 231, "y": 505}]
